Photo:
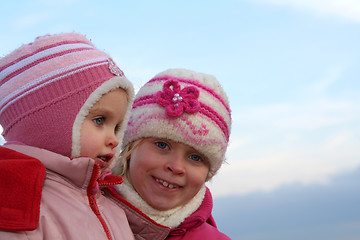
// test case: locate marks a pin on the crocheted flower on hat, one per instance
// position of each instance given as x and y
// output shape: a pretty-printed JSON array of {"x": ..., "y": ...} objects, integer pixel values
[{"x": 176, "y": 100}]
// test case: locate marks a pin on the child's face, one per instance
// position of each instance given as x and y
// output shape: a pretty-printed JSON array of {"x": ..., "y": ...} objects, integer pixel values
[
  {"x": 98, "y": 132},
  {"x": 165, "y": 173}
]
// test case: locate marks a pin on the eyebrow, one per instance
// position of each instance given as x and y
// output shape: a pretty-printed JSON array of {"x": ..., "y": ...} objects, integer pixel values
[{"x": 102, "y": 110}]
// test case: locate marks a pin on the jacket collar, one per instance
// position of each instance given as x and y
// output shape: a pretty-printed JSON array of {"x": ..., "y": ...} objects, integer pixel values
[
  {"x": 200, "y": 216},
  {"x": 77, "y": 170}
]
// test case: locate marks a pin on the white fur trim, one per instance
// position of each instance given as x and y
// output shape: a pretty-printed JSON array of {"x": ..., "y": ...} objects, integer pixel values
[
  {"x": 111, "y": 84},
  {"x": 171, "y": 218}
]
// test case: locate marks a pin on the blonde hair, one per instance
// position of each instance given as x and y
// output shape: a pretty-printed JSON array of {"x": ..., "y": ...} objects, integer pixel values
[{"x": 122, "y": 166}]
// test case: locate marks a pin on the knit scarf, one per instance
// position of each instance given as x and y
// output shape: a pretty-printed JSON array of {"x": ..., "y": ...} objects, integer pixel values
[{"x": 171, "y": 218}]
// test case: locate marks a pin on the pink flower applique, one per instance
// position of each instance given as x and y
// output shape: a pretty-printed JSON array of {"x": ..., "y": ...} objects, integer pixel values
[
  {"x": 114, "y": 69},
  {"x": 176, "y": 100}
]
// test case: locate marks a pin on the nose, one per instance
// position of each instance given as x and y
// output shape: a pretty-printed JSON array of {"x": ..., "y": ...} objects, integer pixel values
[
  {"x": 112, "y": 140},
  {"x": 175, "y": 165}
]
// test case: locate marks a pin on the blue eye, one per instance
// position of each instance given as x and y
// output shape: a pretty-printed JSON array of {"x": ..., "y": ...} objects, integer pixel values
[
  {"x": 195, "y": 157},
  {"x": 162, "y": 145},
  {"x": 99, "y": 121}
]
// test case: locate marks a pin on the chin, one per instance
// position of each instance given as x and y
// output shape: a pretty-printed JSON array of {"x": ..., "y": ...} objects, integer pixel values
[{"x": 161, "y": 207}]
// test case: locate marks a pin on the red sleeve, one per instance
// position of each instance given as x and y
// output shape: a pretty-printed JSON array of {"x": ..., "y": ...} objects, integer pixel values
[{"x": 21, "y": 182}]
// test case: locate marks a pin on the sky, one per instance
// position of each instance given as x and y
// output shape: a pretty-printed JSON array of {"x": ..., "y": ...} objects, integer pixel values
[{"x": 290, "y": 69}]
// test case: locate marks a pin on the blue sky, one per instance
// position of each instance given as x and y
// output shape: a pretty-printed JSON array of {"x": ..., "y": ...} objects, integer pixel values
[{"x": 290, "y": 69}]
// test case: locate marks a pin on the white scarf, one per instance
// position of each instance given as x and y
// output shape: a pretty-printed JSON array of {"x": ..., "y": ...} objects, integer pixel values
[{"x": 171, "y": 218}]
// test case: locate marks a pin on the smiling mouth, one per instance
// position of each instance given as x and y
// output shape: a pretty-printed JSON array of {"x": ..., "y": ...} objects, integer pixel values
[{"x": 166, "y": 184}]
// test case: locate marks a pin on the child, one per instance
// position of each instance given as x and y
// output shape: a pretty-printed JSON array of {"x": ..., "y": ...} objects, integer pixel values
[
  {"x": 65, "y": 103},
  {"x": 175, "y": 141}
]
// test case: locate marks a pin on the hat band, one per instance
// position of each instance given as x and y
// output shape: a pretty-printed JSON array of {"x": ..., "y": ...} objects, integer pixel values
[
  {"x": 204, "y": 109},
  {"x": 194, "y": 83}
]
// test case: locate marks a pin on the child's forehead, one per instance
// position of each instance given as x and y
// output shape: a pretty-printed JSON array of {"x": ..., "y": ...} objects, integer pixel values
[
  {"x": 96, "y": 108},
  {"x": 107, "y": 102}
]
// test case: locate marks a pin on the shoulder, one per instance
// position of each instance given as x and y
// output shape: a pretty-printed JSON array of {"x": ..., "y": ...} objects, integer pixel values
[
  {"x": 204, "y": 231},
  {"x": 21, "y": 178},
  {"x": 202, "y": 215},
  {"x": 201, "y": 224},
  {"x": 210, "y": 232}
]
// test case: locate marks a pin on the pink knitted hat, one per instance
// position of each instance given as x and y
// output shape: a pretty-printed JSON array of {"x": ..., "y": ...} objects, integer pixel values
[
  {"x": 186, "y": 107},
  {"x": 48, "y": 86}
]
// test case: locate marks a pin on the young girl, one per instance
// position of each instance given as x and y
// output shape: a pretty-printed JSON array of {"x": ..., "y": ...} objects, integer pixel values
[
  {"x": 175, "y": 141},
  {"x": 63, "y": 106}
]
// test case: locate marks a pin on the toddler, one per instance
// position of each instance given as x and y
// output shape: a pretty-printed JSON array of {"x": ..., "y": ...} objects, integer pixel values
[
  {"x": 64, "y": 106},
  {"x": 174, "y": 143}
]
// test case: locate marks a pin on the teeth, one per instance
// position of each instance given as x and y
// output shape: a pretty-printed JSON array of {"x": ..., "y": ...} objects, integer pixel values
[
  {"x": 165, "y": 184},
  {"x": 103, "y": 158}
]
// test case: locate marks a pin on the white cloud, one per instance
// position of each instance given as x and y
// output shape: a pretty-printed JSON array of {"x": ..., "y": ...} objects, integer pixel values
[
  {"x": 332, "y": 76},
  {"x": 307, "y": 141},
  {"x": 345, "y": 9},
  {"x": 270, "y": 169},
  {"x": 309, "y": 115}
]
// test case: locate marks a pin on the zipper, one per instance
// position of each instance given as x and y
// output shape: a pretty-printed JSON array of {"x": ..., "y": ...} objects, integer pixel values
[{"x": 92, "y": 201}]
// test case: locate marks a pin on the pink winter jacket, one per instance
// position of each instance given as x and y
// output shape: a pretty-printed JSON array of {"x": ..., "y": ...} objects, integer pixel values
[
  {"x": 199, "y": 225},
  {"x": 62, "y": 203}
]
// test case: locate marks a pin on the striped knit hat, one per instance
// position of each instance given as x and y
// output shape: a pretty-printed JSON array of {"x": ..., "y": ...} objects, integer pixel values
[
  {"x": 48, "y": 86},
  {"x": 183, "y": 106}
]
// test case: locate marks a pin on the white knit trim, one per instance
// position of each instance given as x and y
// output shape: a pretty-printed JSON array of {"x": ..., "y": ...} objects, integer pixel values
[
  {"x": 171, "y": 218},
  {"x": 113, "y": 83}
]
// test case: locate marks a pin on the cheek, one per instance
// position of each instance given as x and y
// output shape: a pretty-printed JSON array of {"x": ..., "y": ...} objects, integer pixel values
[
  {"x": 140, "y": 166},
  {"x": 139, "y": 160},
  {"x": 88, "y": 139},
  {"x": 87, "y": 142},
  {"x": 198, "y": 177},
  {"x": 135, "y": 168},
  {"x": 85, "y": 146}
]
